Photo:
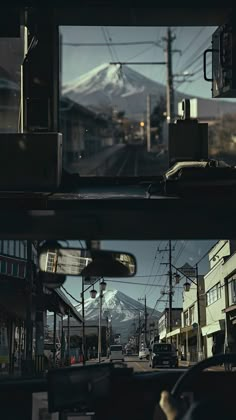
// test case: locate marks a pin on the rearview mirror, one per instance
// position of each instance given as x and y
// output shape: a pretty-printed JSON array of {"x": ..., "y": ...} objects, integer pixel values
[{"x": 82, "y": 262}]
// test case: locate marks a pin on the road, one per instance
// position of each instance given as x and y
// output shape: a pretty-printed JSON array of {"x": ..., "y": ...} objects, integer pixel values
[{"x": 143, "y": 365}]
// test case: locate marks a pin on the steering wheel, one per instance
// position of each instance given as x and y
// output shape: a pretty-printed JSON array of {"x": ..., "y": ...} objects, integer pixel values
[{"x": 218, "y": 359}]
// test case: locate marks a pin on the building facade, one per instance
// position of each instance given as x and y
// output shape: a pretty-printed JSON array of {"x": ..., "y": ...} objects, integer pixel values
[{"x": 215, "y": 293}]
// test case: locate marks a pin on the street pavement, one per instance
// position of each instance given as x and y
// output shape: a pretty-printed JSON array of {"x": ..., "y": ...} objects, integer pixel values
[{"x": 143, "y": 365}]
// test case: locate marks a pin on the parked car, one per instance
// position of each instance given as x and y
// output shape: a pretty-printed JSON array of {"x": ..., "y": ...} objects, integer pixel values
[
  {"x": 143, "y": 353},
  {"x": 163, "y": 354}
]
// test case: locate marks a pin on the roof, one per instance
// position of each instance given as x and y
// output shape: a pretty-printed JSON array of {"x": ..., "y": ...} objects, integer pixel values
[{"x": 67, "y": 305}]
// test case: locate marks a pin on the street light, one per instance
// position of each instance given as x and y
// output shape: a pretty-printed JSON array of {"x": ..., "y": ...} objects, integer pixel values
[
  {"x": 103, "y": 286},
  {"x": 93, "y": 293},
  {"x": 186, "y": 289},
  {"x": 177, "y": 278},
  {"x": 186, "y": 286}
]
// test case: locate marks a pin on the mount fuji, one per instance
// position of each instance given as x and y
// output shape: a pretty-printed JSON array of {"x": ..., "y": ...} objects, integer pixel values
[
  {"x": 123, "y": 309},
  {"x": 109, "y": 87}
]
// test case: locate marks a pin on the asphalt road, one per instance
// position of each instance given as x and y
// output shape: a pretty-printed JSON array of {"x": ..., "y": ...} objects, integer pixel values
[{"x": 142, "y": 365}]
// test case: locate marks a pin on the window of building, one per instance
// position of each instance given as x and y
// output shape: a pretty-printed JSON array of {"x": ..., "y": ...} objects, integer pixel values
[
  {"x": 3, "y": 267},
  {"x": 22, "y": 249},
  {"x": 162, "y": 324},
  {"x": 232, "y": 288},
  {"x": 191, "y": 315},
  {"x": 186, "y": 318},
  {"x": 17, "y": 248},
  {"x": 11, "y": 248},
  {"x": 15, "y": 269},
  {"x": 213, "y": 294},
  {"x": 51, "y": 261},
  {"x": 5, "y": 247}
]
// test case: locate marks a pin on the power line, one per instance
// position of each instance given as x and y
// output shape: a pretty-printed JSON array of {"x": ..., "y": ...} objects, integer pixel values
[
  {"x": 69, "y": 294},
  {"x": 140, "y": 284},
  {"x": 102, "y": 44},
  {"x": 107, "y": 43},
  {"x": 154, "y": 260},
  {"x": 196, "y": 55},
  {"x": 193, "y": 40}
]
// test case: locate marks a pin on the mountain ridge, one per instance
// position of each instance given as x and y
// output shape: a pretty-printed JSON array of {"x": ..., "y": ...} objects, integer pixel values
[{"x": 109, "y": 87}]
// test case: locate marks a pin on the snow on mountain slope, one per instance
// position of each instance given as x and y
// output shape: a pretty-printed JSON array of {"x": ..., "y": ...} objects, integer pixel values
[
  {"x": 111, "y": 86},
  {"x": 123, "y": 309}
]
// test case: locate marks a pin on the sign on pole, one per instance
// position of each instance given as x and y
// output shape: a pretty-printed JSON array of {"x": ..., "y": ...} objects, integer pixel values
[{"x": 187, "y": 270}]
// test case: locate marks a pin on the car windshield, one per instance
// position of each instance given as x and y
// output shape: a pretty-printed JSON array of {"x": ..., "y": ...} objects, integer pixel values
[
  {"x": 116, "y": 348},
  {"x": 167, "y": 304},
  {"x": 117, "y": 100},
  {"x": 161, "y": 348}
]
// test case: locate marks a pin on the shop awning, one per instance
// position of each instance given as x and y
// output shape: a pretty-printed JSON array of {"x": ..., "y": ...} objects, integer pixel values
[
  {"x": 172, "y": 333},
  {"x": 213, "y": 327},
  {"x": 68, "y": 307},
  {"x": 186, "y": 329},
  {"x": 230, "y": 308}
]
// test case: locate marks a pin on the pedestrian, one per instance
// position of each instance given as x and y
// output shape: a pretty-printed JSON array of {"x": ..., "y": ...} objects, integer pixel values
[{"x": 214, "y": 349}]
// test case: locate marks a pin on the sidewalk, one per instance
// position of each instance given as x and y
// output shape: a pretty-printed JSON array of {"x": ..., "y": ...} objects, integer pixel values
[{"x": 184, "y": 363}]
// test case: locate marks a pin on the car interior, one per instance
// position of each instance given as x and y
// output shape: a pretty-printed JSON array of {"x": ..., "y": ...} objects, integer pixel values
[{"x": 51, "y": 193}]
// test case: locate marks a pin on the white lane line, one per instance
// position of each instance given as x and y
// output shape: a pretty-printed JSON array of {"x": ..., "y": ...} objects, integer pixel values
[{"x": 140, "y": 366}]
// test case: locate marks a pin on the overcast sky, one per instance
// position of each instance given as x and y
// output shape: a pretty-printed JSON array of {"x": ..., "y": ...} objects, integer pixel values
[
  {"x": 150, "y": 269},
  {"x": 189, "y": 44}
]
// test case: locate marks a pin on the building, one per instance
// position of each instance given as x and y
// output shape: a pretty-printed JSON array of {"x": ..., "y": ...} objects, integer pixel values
[
  {"x": 75, "y": 331},
  {"x": 192, "y": 346},
  {"x": 85, "y": 132},
  {"x": 215, "y": 292},
  {"x": 164, "y": 325},
  {"x": 229, "y": 267},
  {"x": 21, "y": 298}
]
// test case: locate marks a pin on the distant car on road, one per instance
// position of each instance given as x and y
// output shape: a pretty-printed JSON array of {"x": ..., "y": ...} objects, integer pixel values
[
  {"x": 116, "y": 353},
  {"x": 128, "y": 352},
  {"x": 163, "y": 354},
  {"x": 143, "y": 353}
]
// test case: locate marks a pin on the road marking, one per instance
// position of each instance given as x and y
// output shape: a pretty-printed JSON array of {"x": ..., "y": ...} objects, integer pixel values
[{"x": 140, "y": 366}]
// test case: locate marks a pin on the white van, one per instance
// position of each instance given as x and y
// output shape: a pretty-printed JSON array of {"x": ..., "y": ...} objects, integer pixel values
[{"x": 116, "y": 353}]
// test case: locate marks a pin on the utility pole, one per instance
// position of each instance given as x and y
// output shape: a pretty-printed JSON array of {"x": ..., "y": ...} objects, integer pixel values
[
  {"x": 170, "y": 291},
  {"x": 83, "y": 325},
  {"x": 145, "y": 317},
  {"x": 29, "y": 310},
  {"x": 170, "y": 287},
  {"x": 170, "y": 104},
  {"x": 148, "y": 123}
]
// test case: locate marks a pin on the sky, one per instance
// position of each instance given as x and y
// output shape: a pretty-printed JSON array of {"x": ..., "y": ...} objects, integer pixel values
[
  {"x": 150, "y": 256},
  {"x": 189, "y": 44}
]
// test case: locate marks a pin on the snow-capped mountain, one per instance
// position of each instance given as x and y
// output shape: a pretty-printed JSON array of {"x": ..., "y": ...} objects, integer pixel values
[
  {"x": 108, "y": 86},
  {"x": 123, "y": 309},
  {"x": 122, "y": 88}
]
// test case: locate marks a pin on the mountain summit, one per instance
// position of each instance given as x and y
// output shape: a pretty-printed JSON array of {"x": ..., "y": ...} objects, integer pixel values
[
  {"x": 108, "y": 87},
  {"x": 123, "y": 310},
  {"x": 112, "y": 86}
]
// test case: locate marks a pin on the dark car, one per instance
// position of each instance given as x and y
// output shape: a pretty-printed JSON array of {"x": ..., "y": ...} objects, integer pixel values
[{"x": 162, "y": 354}]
